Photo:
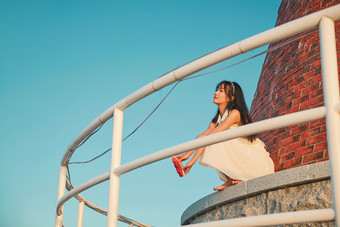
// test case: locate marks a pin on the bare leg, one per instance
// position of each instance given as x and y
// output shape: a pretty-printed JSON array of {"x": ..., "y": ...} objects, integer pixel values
[{"x": 198, "y": 153}]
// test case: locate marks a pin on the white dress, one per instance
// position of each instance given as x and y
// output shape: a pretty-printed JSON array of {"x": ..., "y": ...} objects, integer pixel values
[{"x": 238, "y": 158}]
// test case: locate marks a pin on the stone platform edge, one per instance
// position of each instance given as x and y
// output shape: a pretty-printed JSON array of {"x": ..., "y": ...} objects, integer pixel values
[{"x": 289, "y": 177}]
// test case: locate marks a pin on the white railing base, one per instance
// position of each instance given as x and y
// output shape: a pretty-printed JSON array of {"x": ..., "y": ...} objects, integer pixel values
[{"x": 296, "y": 217}]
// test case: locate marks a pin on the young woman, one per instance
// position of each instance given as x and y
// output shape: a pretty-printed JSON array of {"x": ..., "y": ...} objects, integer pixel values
[{"x": 236, "y": 160}]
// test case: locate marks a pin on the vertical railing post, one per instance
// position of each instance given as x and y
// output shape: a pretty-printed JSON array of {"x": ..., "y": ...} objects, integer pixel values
[
  {"x": 112, "y": 215},
  {"x": 61, "y": 192},
  {"x": 80, "y": 214},
  {"x": 331, "y": 94}
]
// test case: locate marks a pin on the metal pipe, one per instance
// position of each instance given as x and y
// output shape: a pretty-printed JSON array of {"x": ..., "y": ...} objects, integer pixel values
[
  {"x": 274, "y": 219},
  {"x": 61, "y": 192},
  {"x": 73, "y": 146},
  {"x": 112, "y": 215},
  {"x": 101, "y": 210},
  {"x": 291, "y": 28},
  {"x": 250, "y": 129},
  {"x": 80, "y": 188},
  {"x": 337, "y": 107},
  {"x": 74, "y": 192},
  {"x": 332, "y": 98},
  {"x": 264, "y": 38},
  {"x": 80, "y": 214},
  {"x": 87, "y": 203},
  {"x": 245, "y": 130}
]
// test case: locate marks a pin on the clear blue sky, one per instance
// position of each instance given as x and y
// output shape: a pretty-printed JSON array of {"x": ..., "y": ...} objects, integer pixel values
[{"x": 62, "y": 63}]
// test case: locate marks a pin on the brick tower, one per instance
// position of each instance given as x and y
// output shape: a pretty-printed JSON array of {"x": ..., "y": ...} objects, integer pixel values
[{"x": 291, "y": 81}]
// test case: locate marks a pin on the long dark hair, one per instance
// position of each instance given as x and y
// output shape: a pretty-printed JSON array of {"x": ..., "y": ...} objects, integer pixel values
[{"x": 236, "y": 97}]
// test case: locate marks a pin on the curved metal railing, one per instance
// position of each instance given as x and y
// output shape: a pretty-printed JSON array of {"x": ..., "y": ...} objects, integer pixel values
[{"x": 324, "y": 19}]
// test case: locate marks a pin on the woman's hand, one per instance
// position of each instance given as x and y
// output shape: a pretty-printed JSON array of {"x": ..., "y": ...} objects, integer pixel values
[
  {"x": 187, "y": 168},
  {"x": 183, "y": 157}
]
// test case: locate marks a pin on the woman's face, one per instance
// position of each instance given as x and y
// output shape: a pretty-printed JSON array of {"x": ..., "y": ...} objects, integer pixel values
[{"x": 220, "y": 96}]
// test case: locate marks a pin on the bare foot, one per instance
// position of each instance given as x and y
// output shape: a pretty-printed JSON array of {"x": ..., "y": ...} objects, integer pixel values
[
  {"x": 227, "y": 184},
  {"x": 236, "y": 181},
  {"x": 223, "y": 186}
]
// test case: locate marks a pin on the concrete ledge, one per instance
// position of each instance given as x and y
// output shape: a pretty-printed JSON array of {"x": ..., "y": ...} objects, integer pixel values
[{"x": 303, "y": 175}]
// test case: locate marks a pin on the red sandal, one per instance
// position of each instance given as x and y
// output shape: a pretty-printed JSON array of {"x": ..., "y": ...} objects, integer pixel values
[{"x": 178, "y": 165}]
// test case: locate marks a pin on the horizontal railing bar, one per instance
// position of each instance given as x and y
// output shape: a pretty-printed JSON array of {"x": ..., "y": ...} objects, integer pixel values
[
  {"x": 103, "y": 211},
  {"x": 91, "y": 205},
  {"x": 87, "y": 203},
  {"x": 275, "y": 34},
  {"x": 94, "y": 181},
  {"x": 130, "y": 221},
  {"x": 274, "y": 219},
  {"x": 245, "y": 130}
]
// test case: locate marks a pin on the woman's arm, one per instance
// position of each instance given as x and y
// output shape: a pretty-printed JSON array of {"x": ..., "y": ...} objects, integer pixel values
[
  {"x": 234, "y": 117},
  {"x": 185, "y": 156}
]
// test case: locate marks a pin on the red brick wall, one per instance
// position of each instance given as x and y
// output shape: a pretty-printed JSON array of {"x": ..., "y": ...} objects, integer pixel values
[{"x": 291, "y": 81}]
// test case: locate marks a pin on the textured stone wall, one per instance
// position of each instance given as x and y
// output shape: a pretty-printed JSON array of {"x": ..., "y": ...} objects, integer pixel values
[
  {"x": 291, "y": 81},
  {"x": 304, "y": 188},
  {"x": 304, "y": 197}
]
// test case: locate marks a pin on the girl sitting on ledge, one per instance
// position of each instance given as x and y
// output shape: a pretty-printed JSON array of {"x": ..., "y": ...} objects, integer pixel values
[{"x": 236, "y": 160}]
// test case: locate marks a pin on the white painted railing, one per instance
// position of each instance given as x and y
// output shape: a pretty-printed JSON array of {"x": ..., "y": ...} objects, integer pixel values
[{"x": 323, "y": 19}]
